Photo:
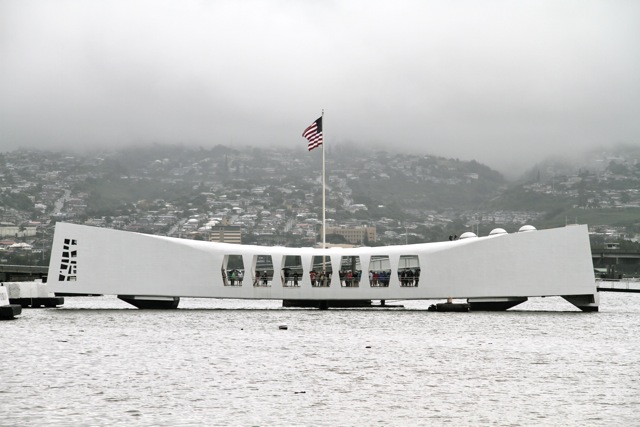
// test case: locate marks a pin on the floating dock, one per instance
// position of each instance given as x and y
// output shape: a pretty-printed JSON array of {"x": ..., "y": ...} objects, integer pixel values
[
  {"x": 8, "y": 310},
  {"x": 631, "y": 286},
  {"x": 32, "y": 295}
]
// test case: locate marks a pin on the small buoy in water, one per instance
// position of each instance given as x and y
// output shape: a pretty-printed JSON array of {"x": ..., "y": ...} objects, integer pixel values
[{"x": 284, "y": 327}]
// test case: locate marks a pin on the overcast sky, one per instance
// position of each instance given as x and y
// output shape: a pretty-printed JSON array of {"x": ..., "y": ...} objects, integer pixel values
[{"x": 502, "y": 82}]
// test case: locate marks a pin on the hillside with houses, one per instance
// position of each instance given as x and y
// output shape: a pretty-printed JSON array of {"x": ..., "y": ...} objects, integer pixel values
[{"x": 269, "y": 196}]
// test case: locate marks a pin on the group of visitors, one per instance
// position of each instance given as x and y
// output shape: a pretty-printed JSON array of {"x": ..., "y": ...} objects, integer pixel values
[
  {"x": 379, "y": 278},
  {"x": 409, "y": 277},
  {"x": 321, "y": 279},
  {"x": 233, "y": 277},
  {"x": 261, "y": 279},
  {"x": 350, "y": 278},
  {"x": 289, "y": 278}
]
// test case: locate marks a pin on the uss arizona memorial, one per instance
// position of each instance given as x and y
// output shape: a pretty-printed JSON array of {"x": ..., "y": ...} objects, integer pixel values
[{"x": 493, "y": 272}]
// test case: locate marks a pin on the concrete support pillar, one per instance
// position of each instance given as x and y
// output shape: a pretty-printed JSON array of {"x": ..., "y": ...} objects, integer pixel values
[
  {"x": 589, "y": 302},
  {"x": 494, "y": 304},
  {"x": 158, "y": 303}
]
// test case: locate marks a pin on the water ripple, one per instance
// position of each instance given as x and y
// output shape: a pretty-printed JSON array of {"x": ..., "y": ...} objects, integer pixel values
[{"x": 227, "y": 363}]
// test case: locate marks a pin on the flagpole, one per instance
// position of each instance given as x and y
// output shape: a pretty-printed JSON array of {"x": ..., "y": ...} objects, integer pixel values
[{"x": 324, "y": 219}]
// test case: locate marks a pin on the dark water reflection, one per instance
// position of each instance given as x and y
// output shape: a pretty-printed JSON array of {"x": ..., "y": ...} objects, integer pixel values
[{"x": 97, "y": 362}]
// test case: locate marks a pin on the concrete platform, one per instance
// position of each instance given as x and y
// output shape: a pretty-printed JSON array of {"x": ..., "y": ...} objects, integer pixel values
[
  {"x": 10, "y": 311},
  {"x": 32, "y": 294},
  {"x": 48, "y": 302},
  {"x": 445, "y": 307},
  {"x": 7, "y": 310}
]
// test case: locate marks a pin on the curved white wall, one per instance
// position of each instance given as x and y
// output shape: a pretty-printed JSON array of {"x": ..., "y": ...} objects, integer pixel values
[{"x": 540, "y": 263}]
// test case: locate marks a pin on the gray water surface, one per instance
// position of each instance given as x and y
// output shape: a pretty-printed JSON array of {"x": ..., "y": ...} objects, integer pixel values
[{"x": 96, "y": 361}]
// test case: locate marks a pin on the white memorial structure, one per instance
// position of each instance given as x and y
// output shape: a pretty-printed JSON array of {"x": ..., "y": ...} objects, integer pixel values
[{"x": 493, "y": 272}]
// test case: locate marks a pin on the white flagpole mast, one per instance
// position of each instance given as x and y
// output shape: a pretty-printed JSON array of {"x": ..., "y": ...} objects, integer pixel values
[{"x": 324, "y": 219}]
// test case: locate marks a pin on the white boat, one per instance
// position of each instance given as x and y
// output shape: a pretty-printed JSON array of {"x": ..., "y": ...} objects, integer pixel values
[{"x": 493, "y": 272}]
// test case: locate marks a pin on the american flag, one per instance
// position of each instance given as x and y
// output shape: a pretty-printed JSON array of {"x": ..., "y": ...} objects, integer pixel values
[{"x": 314, "y": 134}]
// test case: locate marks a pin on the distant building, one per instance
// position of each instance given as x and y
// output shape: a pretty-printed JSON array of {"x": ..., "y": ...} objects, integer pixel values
[
  {"x": 226, "y": 234},
  {"x": 354, "y": 235},
  {"x": 7, "y": 230}
]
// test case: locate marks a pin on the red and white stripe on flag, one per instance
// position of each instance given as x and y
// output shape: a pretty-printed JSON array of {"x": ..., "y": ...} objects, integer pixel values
[{"x": 314, "y": 134}]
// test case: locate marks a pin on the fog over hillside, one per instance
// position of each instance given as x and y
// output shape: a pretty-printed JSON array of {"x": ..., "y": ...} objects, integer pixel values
[{"x": 504, "y": 83}]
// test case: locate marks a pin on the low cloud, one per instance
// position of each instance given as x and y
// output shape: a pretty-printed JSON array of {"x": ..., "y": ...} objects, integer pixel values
[{"x": 504, "y": 83}]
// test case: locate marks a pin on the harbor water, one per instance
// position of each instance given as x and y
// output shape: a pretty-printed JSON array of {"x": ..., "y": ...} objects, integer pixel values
[{"x": 99, "y": 362}]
